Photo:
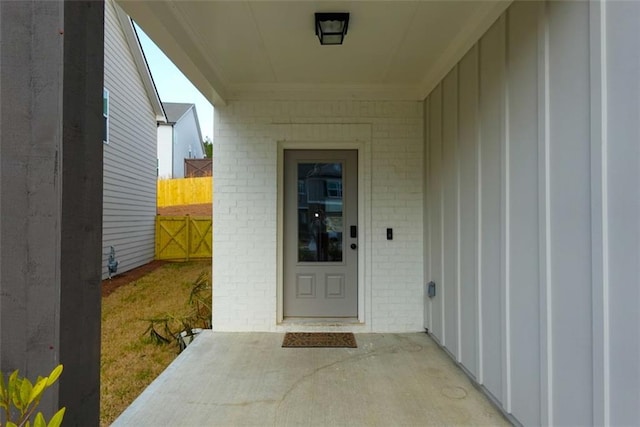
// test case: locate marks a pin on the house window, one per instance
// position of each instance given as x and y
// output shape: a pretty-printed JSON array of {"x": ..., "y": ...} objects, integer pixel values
[
  {"x": 105, "y": 116},
  {"x": 334, "y": 189}
]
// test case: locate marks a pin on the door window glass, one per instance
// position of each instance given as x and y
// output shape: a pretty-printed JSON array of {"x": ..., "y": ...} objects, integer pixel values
[{"x": 320, "y": 212}]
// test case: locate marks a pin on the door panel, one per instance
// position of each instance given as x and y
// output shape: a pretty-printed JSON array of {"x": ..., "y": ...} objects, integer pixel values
[{"x": 320, "y": 233}]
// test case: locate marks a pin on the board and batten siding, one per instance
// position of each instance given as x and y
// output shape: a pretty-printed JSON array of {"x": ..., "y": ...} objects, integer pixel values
[
  {"x": 532, "y": 212},
  {"x": 129, "y": 201}
]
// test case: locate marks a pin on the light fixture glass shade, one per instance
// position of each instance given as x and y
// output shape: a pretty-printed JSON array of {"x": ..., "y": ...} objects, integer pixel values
[
  {"x": 332, "y": 39},
  {"x": 331, "y": 27}
]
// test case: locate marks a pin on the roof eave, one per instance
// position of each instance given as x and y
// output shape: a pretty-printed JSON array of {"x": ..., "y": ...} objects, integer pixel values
[{"x": 158, "y": 20}]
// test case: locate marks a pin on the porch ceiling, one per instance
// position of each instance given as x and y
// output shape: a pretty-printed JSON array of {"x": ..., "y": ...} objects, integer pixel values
[{"x": 268, "y": 49}]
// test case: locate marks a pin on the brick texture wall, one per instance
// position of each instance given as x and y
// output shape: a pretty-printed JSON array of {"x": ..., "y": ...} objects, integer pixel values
[{"x": 247, "y": 137}]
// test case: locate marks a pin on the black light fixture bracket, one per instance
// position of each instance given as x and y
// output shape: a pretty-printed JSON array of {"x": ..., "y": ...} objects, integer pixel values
[{"x": 331, "y": 27}]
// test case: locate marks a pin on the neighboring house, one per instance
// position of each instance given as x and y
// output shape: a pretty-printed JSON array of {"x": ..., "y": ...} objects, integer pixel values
[
  {"x": 132, "y": 109},
  {"x": 179, "y": 138}
]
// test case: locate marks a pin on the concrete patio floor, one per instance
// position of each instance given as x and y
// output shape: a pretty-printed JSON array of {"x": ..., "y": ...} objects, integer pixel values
[{"x": 230, "y": 379}]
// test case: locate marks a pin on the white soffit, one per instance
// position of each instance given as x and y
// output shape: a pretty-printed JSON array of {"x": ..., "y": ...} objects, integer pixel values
[{"x": 268, "y": 49}]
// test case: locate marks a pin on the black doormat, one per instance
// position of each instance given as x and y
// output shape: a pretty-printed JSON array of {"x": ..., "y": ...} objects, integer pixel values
[{"x": 319, "y": 339}]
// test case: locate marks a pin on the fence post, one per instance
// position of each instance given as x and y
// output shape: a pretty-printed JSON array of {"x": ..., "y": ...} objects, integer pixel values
[
  {"x": 188, "y": 219},
  {"x": 157, "y": 237}
]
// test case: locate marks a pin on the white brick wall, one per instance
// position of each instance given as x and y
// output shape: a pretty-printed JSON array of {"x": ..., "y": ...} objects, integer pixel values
[{"x": 245, "y": 206}]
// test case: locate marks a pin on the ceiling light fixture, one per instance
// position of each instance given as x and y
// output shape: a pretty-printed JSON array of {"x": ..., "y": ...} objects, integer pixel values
[{"x": 331, "y": 27}]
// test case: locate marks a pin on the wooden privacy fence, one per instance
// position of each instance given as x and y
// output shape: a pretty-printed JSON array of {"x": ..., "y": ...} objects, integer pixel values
[
  {"x": 198, "y": 167},
  {"x": 182, "y": 238},
  {"x": 185, "y": 191}
]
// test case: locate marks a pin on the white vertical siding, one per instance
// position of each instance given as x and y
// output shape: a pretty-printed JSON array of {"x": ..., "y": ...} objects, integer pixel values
[
  {"x": 522, "y": 176},
  {"x": 450, "y": 209},
  {"x": 617, "y": 300},
  {"x": 492, "y": 67},
  {"x": 434, "y": 191},
  {"x": 536, "y": 133},
  {"x": 468, "y": 188},
  {"x": 570, "y": 228},
  {"x": 129, "y": 204}
]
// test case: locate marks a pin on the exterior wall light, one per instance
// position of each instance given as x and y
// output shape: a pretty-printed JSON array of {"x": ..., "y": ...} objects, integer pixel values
[{"x": 331, "y": 27}]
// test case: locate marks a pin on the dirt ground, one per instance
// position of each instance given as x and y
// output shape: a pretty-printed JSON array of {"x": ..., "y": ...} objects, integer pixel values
[
  {"x": 110, "y": 285},
  {"x": 203, "y": 209}
]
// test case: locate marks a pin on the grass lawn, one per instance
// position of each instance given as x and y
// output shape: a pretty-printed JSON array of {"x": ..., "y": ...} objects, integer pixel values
[{"x": 130, "y": 361}]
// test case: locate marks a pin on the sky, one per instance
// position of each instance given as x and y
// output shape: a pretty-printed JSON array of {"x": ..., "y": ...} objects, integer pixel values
[{"x": 173, "y": 86}]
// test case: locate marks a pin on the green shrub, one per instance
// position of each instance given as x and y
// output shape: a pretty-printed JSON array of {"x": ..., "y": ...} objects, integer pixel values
[{"x": 19, "y": 399}]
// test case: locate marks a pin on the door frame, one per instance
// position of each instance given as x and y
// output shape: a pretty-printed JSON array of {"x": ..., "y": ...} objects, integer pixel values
[{"x": 362, "y": 231}]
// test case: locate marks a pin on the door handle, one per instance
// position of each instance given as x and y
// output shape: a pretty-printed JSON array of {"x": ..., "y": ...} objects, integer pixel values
[
  {"x": 353, "y": 231},
  {"x": 354, "y": 246}
]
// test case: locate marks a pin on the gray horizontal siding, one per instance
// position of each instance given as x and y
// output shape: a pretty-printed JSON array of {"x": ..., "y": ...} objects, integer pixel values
[
  {"x": 533, "y": 212},
  {"x": 122, "y": 199},
  {"x": 130, "y": 257},
  {"x": 128, "y": 247},
  {"x": 126, "y": 185},
  {"x": 129, "y": 200}
]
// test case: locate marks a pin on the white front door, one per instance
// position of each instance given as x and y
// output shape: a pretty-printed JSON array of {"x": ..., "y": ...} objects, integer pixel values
[{"x": 320, "y": 233}]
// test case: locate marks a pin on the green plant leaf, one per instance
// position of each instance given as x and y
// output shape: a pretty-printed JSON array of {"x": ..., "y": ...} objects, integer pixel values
[
  {"x": 4, "y": 394},
  {"x": 54, "y": 375},
  {"x": 39, "y": 421},
  {"x": 3, "y": 388},
  {"x": 15, "y": 383},
  {"x": 25, "y": 392},
  {"x": 20, "y": 393},
  {"x": 38, "y": 389},
  {"x": 56, "y": 420}
]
